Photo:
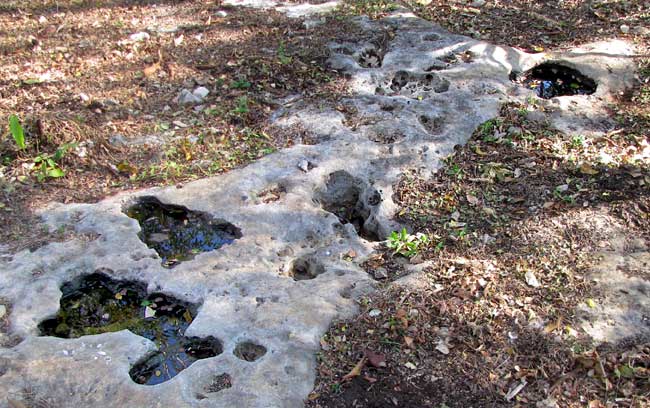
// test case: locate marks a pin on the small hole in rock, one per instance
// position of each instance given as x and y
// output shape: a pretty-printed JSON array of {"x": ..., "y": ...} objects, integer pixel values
[
  {"x": 96, "y": 303},
  {"x": 306, "y": 268},
  {"x": 249, "y": 351},
  {"x": 386, "y": 137},
  {"x": 343, "y": 198},
  {"x": 431, "y": 37},
  {"x": 177, "y": 233},
  {"x": 272, "y": 194},
  {"x": 371, "y": 58},
  {"x": 431, "y": 124},
  {"x": 550, "y": 80},
  {"x": 218, "y": 383}
]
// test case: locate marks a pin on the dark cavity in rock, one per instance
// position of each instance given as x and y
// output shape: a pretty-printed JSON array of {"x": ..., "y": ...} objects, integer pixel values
[
  {"x": 550, "y": 80},
  {"x": 431, "y": 124},
  {"x": 177, "y": 233},
  {"x": 306, "y": 268},
  {"x": 249, "y": 351},
  {"x": 350, "y": 199},
  {"x": 96, "y": 303},
  {"x": 371, "y": 58},
  {"x": 218, "y": 383},
  {"x": 414, "y": 85}
]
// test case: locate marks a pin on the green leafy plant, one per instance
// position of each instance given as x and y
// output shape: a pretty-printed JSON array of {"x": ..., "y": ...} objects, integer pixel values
[
  {"x": 242, "y": 106},
  {"x": 241, "y": 83},
  {"x": 17, "y": 131},
  {"x": 406, "y": 244},
  {"x": 282, "y": 55},
  {"x": 577, "y": 141},
  {"x": 46, "y": 166}
]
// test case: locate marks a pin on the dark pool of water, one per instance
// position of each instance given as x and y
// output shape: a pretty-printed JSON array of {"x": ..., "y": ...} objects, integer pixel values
[
  {"x": 550, "y": 80},
  {"x": 96, "y": 303},
  {"x": 177, "y": 233}
]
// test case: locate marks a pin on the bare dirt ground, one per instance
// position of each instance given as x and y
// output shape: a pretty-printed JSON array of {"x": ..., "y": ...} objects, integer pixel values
[
  {"x": 95, "y": 87},
  {"x": 515, "y": 218}
]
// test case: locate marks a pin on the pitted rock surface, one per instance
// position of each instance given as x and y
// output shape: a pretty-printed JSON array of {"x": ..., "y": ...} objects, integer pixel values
[{"x": 408, "y": 108}]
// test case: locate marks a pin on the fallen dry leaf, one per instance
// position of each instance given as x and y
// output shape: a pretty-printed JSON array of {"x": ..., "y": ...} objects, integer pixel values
[
  {"x": 356, "y": 371},
  {"x": 375, "y": 359}
]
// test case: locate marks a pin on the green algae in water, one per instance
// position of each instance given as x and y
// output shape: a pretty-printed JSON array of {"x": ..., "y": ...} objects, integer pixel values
[
  {"x": 176, "y": 233},
  {"x": 96, "y": 303}
]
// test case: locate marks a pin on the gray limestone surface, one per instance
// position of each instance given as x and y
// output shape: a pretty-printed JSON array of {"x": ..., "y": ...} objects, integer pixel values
[{"x": 408, "y": 109}]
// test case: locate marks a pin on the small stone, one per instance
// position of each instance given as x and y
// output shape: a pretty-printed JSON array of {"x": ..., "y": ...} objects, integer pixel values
[
  {"x": 222, "y": 13},
  {"x": 185, "y": 97},
  {"x": 201, "y": 92},
  {"x": 536, "y": 116},
  {"x": 381, "y": 273},
  {"x": 313, "y": 23},
  {"x": 141, "y": 36},
  {"x": 487, "y": 239},
  {"x": 117, "y": 140},
  {"x": 374, "y": 313},
  {"x": 3, "y": 311},
  {"x": 158, "y": 237},
  {"x": 288, "y": 251},
  {"x": 514, "y": 131},
  {"x": 531, "y": 279},
  {"x": 478, "y": 3},
  {"x": 304, "y": 165},
  {"x": 625, "y": 29},
  {"x": 442, "y": 347},
  {"x": 410, "y": 365},
  {"x": 549, "y": 402}
]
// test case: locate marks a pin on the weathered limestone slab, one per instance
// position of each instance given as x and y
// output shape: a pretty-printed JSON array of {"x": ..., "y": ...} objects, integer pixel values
[{"x": 415, "y": 94}]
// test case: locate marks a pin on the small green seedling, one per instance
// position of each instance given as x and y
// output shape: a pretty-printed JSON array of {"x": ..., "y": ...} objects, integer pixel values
[
  {"x": 46, "y": 166},
  {"x": 240, "y": 84},
  {"x": 282, "y": 55},
  {"x": 242, "y": 106},
  {"x": 406, "y": 244},
  {"x": 17, "y": 131}
]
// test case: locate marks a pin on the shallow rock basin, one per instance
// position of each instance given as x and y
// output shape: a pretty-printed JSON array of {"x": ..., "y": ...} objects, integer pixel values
[
  {"x": 177, "y": 233},
  {"x": 550, "y": 80},
  {"x": 96, "y": 303}
]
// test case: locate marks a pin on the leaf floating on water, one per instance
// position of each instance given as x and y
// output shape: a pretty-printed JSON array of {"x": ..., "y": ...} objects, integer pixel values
[
  {"x": 119, "y": 295},
  {"x": 187, "y": 316}
]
